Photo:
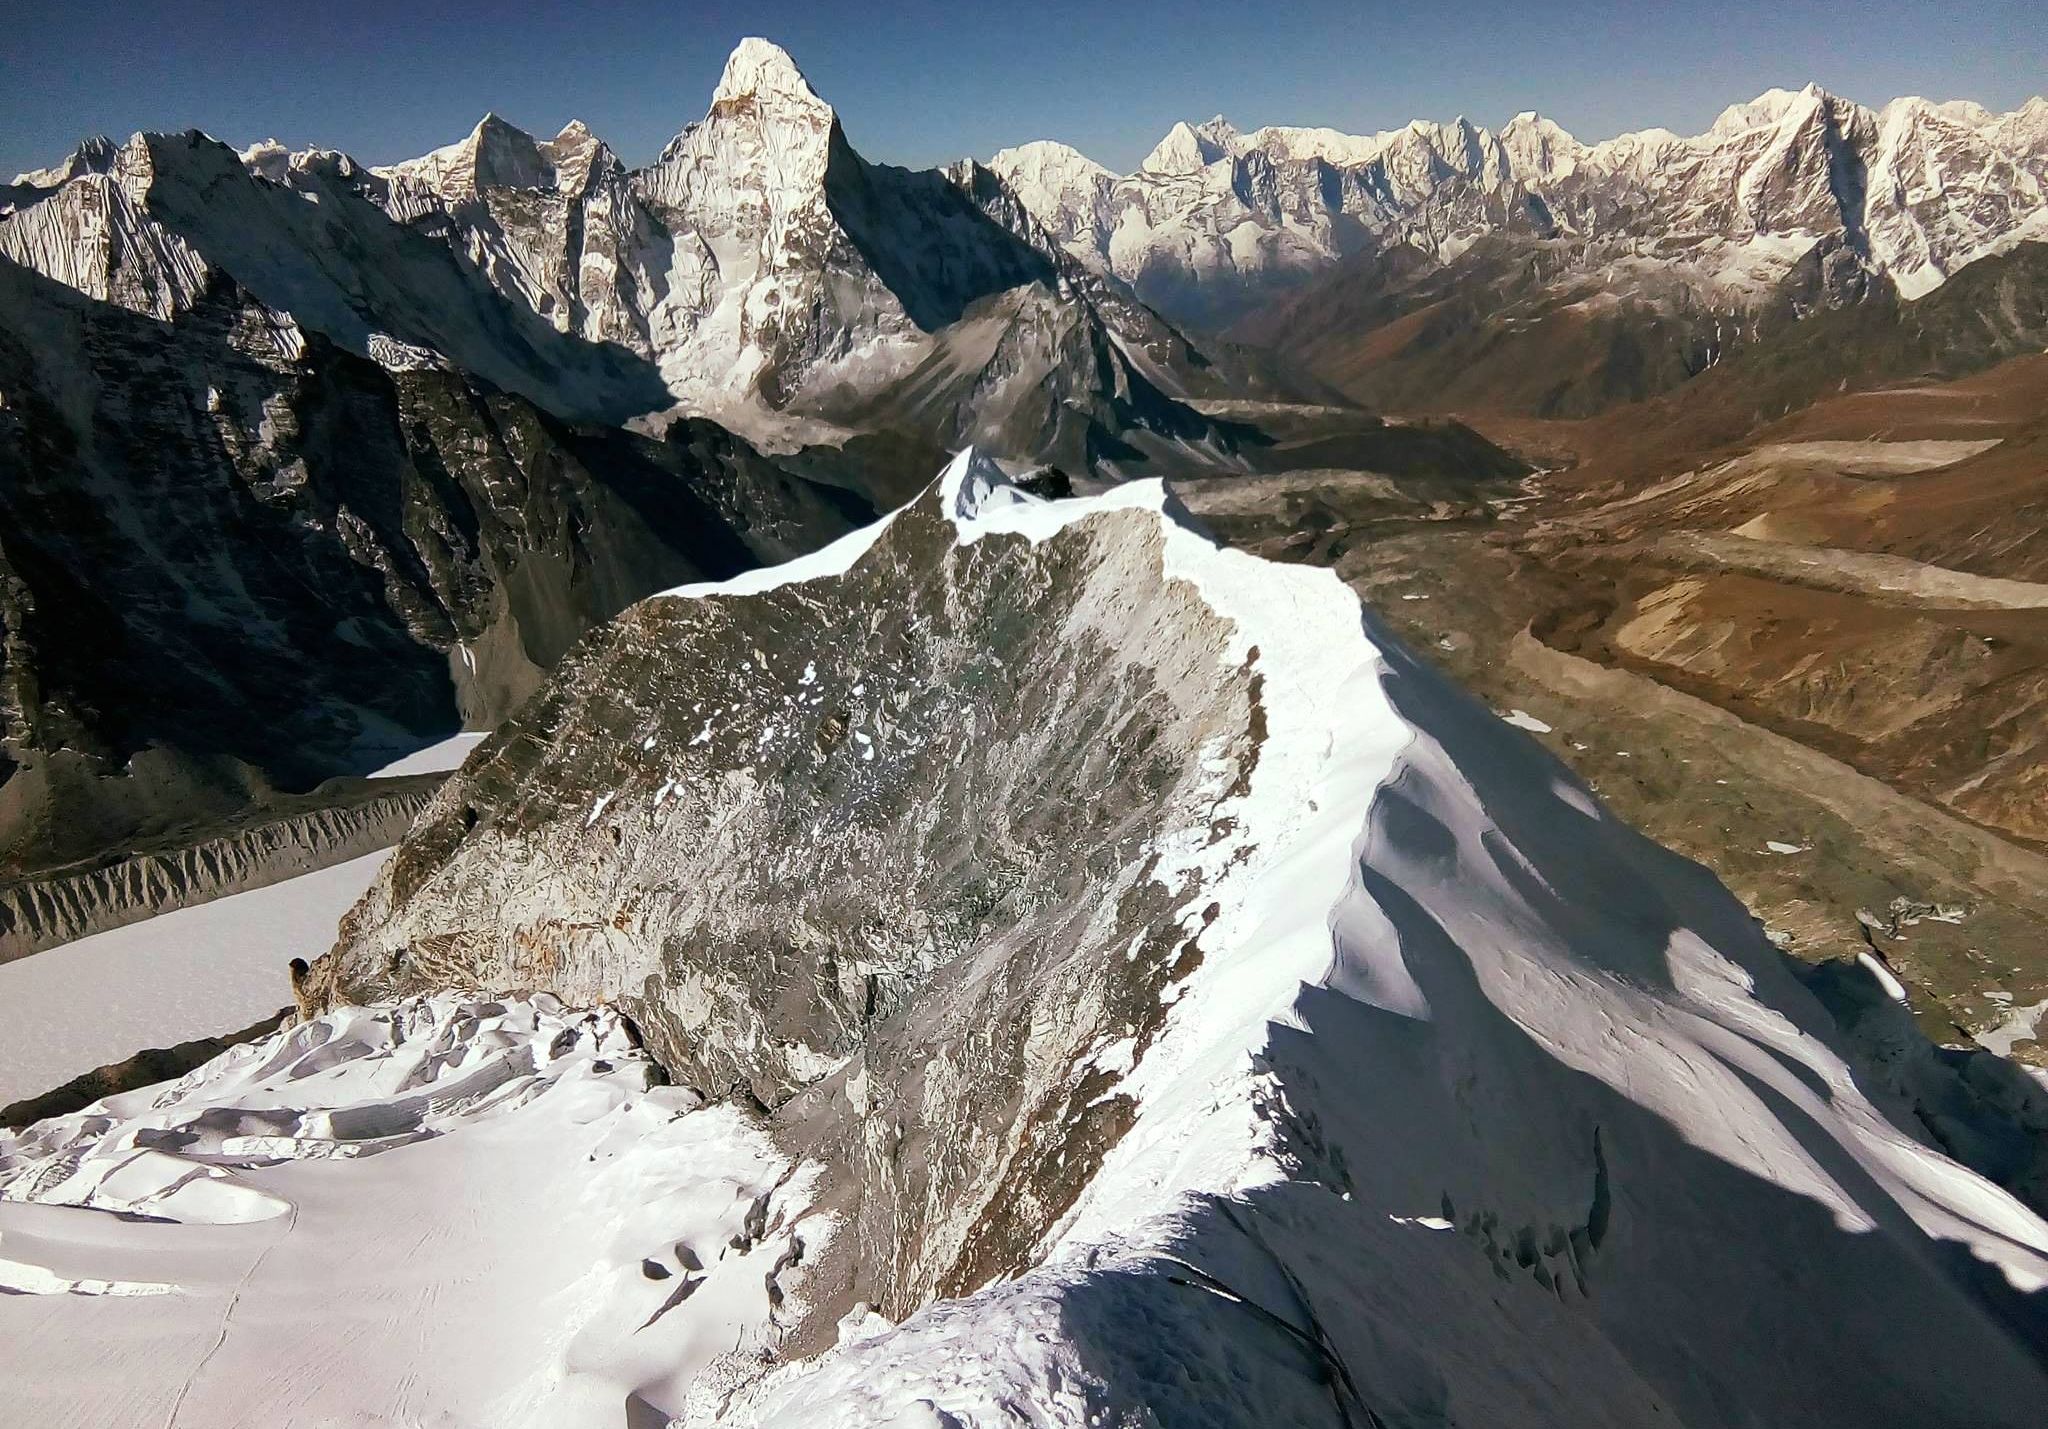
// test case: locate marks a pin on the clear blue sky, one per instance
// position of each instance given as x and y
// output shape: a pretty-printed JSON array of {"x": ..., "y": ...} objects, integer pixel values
[{"x": 919, "y": 83}]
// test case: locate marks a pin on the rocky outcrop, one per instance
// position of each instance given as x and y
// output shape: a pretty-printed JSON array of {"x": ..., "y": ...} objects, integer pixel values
[
  {"x": 852, "y": 817},
  {"x": 1132, "y": 938}
]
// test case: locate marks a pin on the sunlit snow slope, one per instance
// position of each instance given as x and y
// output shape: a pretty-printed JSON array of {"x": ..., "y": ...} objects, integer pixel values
[
  {"x": 1352, "y": 1067},
  {"x": 198, "y": 971}
]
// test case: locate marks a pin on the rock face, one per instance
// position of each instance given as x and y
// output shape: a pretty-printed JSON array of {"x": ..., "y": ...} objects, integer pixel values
[
  {"x": 145, "y": 224},
  {"x": 1122, "y": 934},
  {"x": 783, "y": 284},
  {"x": 233, "y": 557},
  {"x": 782, "y": 817},
  {"x": 1215, "y": 222}
]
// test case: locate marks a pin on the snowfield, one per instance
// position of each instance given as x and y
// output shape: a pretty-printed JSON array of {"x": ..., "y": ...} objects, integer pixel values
[
  {"x": 1479, "y": 1109},
  {"x": 436, "y": 758},
  {"x": 199, "y": 971},
  {"x": 193, "y": 972},
  {"x": 446, "y": 1211}
]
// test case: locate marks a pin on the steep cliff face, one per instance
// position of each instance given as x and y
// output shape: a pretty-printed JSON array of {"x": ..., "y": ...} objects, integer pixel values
[
  {"x": 1129, "y": 937},
  {"x": 784, "y": 284},
  {"x": 145, "y": 225},
  {"x": 234, "y": 558},
  {"x": 553, "y": 224}
]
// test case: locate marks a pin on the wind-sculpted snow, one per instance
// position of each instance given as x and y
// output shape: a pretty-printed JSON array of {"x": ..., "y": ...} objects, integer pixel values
[
  {"x": 448, "y": 1210},
  {"x": 1136, "y": 937},
  {"x": 1130, "y": 989}
]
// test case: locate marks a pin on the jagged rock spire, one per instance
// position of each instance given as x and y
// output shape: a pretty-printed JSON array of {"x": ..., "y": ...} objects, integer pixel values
[{"x": 762, "y": 71}]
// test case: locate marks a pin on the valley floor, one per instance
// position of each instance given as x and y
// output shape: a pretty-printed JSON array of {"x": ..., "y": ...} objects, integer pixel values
[{"x": 1812, "y": 664}]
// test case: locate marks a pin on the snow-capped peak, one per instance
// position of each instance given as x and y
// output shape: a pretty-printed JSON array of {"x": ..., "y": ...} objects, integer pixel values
[
  {"x": 576, "y": 154},
  {"x": 268, "y": 159},
  {"x": 1538, "y": 149},
  {"x": 495, "y": 154},
  {"x": 1967, "y": 112},
  {"x": 1188, "y": 150},
  {"x": 1054, "y": 162},
  {"x": 1280, "y": 141},
  {"x": 93, "y": 156},
  {"x": 1063, "y": 189},
  {"x": 762, "y": 71},
  {"x": 972, "y": 485},
  {"x": 767, "y": 134},
  {"x": 1771, "y": 107},
  {"x": 2024, "y": 134},
  {"x": 1213, "y": 219}
]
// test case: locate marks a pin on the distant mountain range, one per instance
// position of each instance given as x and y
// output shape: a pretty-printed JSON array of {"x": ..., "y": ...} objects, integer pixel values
[
  {"x": 760, "y": 272},
  {"x": 1214, "y": 221},
  {"x": 277, "y": 420}
]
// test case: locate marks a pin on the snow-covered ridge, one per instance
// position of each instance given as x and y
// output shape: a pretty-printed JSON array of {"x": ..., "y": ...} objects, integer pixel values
[
  {"x": 762, "y": 71},
  {"x": 1466, "y": 1078},
  {"x": 1508, "y": 876},
  {"x": 1477, "y": 848}
]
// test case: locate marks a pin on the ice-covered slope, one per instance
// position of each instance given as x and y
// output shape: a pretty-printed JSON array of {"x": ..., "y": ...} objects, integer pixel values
[
  {"x": 1145, "y": 991},
  {"x": 1214, "y": 221},
  {"x": 151, "y": 224}
]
